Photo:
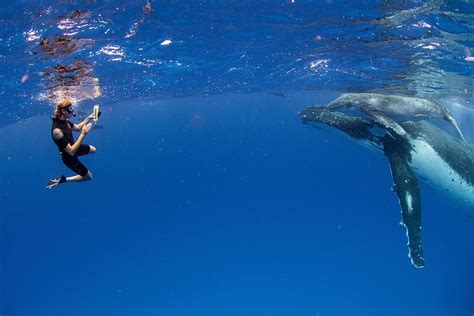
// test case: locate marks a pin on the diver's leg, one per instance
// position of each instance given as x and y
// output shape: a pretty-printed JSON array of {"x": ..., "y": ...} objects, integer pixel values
[
  {"x": 82, "y": 173},
  {"x": 85, "y": 149},
  {"x": 79, "y": 178}
]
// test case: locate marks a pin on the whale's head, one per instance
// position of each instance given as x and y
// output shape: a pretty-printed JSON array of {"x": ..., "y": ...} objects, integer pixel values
[{"x": 353, "y": 126}]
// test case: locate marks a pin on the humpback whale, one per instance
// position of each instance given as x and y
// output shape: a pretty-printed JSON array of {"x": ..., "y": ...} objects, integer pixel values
[
  {"x": 387, "y": 109},
  {"x": 424, "y": 152}
]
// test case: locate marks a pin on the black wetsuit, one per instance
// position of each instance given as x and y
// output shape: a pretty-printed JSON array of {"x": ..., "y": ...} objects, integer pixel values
[{"x": 62, "y": 140}]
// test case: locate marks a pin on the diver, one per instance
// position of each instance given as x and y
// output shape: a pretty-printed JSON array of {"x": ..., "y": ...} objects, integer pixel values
[{"x": 70, "y": 150}]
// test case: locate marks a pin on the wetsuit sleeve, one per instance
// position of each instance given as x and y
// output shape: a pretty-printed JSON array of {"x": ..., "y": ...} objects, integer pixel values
[
  {"x": 71, "y": 124},
  {"x": 59, "y": 138}
]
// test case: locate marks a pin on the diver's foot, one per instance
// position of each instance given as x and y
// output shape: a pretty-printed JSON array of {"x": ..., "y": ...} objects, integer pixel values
[{"x": 54, "y": 182}]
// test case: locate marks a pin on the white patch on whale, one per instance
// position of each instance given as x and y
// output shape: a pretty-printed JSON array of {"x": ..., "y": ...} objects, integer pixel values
[
  {"x": 409, "y": 200},
  {"x": 429, "y": 165},
  {"x": 409, "y": 249}
]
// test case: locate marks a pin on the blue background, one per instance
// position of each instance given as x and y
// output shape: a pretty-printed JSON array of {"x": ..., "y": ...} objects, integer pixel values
[
  {"x": 210, "y": 197},
  {"x": 209, "y": 206}
]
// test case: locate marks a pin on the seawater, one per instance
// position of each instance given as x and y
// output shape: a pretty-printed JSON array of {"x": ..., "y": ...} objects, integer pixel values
[{"x": 210, "y": 205}]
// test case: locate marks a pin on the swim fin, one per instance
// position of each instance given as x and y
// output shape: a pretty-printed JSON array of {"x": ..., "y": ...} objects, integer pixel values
[{"x": 56, "y": 181}]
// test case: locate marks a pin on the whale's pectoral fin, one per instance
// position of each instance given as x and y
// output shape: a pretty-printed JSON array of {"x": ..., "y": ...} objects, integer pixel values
[
  {"x": 407, "y": 190},
  {"x": 384, "y": 120},
  {"x": 448, "y": 117},
  {"x": 338, "y": 103}
]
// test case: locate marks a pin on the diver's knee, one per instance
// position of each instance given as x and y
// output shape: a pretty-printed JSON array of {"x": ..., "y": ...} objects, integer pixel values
[{"x": 92, "y": 149}]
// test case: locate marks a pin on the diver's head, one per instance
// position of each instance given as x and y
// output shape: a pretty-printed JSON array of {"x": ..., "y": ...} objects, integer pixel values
[{"x": 64, "y": 108}]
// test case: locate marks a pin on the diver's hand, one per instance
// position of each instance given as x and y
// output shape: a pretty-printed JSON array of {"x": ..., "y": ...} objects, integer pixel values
[
  {"x": 90, "y": 117},
  {"x": 86, "y": 129}
]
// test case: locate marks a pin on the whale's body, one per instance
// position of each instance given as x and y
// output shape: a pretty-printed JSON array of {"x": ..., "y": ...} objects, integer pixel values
[
  {"x": 424, "y": 152},
  {"x": 388, "y": 110},
  {"x": 443, "y": 161}
]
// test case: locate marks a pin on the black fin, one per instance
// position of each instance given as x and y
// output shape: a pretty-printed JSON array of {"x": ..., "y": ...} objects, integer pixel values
[{"x": 408, "y": 192}]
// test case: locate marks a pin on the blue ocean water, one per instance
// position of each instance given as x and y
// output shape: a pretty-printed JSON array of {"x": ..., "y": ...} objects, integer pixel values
[{"x": 210, "y": 197}]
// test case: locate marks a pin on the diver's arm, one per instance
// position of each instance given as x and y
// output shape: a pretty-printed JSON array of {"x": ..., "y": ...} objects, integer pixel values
[
  {"x": 71, "y": 149},
  {"x": 78, "y": 127}
]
